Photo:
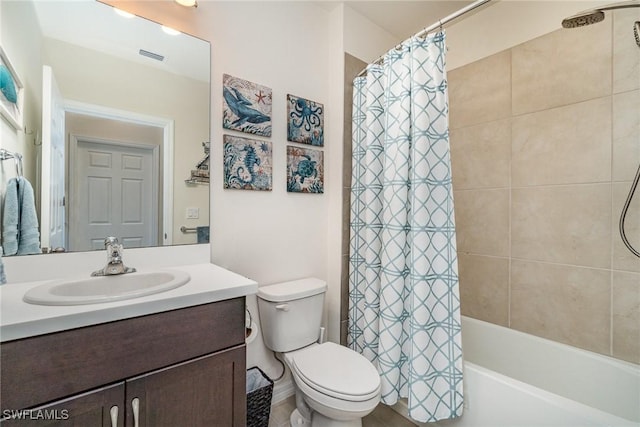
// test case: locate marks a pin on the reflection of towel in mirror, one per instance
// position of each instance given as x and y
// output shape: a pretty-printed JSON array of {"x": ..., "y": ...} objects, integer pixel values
[
  {"x": 203, "y": 234},
  {"x": 20, "y": 235},
  {"x": 3, "y": 277}
]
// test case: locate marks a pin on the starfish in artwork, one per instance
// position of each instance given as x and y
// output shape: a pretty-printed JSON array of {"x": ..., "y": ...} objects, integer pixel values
[{"x": 260, "y": 97}]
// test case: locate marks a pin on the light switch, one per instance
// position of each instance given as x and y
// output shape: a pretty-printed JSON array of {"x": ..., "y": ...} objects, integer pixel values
[{"x": 193, "y": 213}]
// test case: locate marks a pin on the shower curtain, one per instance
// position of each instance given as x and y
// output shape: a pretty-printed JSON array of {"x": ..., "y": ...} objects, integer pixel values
[{"x": 404, "y": 305}]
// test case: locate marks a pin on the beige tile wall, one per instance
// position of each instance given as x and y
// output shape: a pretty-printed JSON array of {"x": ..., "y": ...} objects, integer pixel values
[{"x": 545, "y": 141}]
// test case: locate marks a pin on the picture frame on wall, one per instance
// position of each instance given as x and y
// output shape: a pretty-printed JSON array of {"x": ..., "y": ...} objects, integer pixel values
[
  {"x": 11, "y": 93},
  {"x": 247, "y": 163},
  {"x": 246, "y": 106},
  {"x": 305, "y": 170},
  {"x": 305, "y": 121}
]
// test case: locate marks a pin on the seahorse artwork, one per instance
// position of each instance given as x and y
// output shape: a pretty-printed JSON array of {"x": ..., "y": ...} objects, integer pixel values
[
  {"x": 246, "y": 106},
  {"x": 247, "y": 163},
  {"x": 305, "y": 121},
  {"x": 305, "y": 170}
]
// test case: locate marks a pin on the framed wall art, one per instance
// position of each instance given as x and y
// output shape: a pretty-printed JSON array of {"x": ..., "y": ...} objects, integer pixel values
[
  {"x": 305, "y": 121},
  {"x": 305, "y": 170},
  {"x": 247, "y": 163},
  {"x": 246, "y": 106},
  {"x": 11, "y": 93}
]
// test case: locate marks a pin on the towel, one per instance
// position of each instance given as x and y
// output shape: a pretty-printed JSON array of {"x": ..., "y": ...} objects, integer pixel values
[
  {"x": 10, "y": 217},
  {"x": 203, "y": 234},
  {"x": 3, "y": 277},
  {"x": 20, "y": 235}
]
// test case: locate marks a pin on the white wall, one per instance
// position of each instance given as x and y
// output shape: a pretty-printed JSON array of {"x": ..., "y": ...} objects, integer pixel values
[
  {"x": 334, "y": 175},
  {"x": 267, "y": 236},
  {"x": 364, "y": 39},
  {"x": 19, "y": 33}
]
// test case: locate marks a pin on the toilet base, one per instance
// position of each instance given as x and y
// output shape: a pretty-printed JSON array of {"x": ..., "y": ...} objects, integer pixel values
[{"x": 319, "y": 420}]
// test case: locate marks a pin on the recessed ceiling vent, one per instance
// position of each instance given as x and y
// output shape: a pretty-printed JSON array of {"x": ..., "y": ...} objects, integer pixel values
[{"x": 151, "y": 55}]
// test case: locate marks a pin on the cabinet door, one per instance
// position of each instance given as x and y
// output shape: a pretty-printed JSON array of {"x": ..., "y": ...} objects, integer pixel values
[
  {"x": 205, "y": 392},
  {"x": 103, "y": 407}
]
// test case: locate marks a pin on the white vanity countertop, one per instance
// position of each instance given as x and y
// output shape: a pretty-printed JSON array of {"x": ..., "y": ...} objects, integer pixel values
[{"x": 209, "y": 283}]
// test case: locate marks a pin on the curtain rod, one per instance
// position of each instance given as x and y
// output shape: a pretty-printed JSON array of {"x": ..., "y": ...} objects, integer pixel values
[{"x": 436, "y": 25}]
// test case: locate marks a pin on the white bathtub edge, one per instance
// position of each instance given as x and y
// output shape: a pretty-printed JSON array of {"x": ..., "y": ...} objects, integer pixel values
[
  {"x": 543, "y": 408},
  {"x": 596, "y": 380}
]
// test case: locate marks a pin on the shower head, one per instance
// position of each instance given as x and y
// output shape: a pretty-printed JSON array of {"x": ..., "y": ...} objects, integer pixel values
[
  {"x": 596, "y": 15},
  {"x": 582, "y": 19}
]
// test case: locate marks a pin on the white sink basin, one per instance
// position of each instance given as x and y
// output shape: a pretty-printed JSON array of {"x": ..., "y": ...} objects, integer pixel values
[{"x": 95, "y": 290}]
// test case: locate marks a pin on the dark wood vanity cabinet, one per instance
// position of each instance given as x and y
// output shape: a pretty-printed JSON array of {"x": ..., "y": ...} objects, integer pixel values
[
  {"x": 184, "y": 367},
  {"x": 92, "y": 408}
]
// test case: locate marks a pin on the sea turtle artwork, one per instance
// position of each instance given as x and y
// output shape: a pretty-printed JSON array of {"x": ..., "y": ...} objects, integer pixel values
[
  {"x": 247, "y": 163},
  {"x": 246, "y": 106},
  {"x": 305, "y": 170},
  {"x": 305, "y": 121}
]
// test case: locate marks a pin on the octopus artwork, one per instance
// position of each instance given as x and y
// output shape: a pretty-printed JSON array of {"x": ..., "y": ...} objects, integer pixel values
[{"x": 305, "y": 121}]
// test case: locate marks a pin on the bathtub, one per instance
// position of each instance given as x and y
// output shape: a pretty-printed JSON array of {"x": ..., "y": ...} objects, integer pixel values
[{"x": 514, "y": 379}]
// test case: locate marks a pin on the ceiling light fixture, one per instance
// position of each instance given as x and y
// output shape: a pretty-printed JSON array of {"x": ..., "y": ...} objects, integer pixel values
[{"x": 187, "y": 3}]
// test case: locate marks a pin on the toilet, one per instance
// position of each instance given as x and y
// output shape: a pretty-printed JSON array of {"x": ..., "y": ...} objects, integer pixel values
[{"x": 335, "y": 386}]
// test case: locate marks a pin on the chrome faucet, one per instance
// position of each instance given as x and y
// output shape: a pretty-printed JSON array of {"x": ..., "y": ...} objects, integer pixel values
[{"x": 114, "y": 260}]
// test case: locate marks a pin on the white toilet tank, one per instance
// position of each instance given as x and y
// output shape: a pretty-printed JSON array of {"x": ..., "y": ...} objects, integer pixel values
[{"x": 291, "y": 313}]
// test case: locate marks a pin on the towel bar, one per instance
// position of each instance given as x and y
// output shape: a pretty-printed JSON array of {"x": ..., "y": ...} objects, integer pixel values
[{"x": 17, "y": 157}]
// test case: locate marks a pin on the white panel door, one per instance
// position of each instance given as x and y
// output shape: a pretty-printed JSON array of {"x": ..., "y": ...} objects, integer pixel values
[
  {"x": 113, "y": 194},
  {"x": 52, "y": 201}
]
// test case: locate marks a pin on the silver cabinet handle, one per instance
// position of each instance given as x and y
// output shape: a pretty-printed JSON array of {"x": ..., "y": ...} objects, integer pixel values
[
  {"x": 135, "y": 405},
  {"x": 114, "y": 416}
]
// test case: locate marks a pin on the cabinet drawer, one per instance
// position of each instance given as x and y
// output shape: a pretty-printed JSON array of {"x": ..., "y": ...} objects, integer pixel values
[
  {"x": 90, "y": 409},
  {"x": 40, "y": 369}
]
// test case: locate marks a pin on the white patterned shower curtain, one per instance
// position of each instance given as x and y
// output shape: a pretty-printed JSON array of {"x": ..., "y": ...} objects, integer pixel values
[{"x": 404, "y": 312}]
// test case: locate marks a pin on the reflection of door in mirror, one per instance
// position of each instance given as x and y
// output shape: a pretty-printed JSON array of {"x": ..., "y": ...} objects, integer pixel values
[
  {"x": 52, "y": 189},
  {"x": 122, "y": 177},
  {"x": 114, "y": 179}
]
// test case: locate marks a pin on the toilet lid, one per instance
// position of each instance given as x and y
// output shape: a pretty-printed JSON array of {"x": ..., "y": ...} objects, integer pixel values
[{"x": 337, "y": 371}]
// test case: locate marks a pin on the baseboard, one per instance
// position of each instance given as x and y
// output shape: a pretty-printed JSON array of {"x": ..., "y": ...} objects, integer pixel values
[{"x": 282, "y": 390}]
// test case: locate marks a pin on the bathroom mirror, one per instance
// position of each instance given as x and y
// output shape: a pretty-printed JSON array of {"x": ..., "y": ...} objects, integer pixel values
[{"x": 117, "y": 115}]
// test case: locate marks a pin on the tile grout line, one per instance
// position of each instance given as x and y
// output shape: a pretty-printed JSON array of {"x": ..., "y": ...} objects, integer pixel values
[
  {"x": 611, "y": 238},
  {"x": 510, "y": 235}
]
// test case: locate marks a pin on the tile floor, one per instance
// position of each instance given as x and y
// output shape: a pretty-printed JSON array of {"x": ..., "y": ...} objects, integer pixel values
[{"x": 382, "y": 416}]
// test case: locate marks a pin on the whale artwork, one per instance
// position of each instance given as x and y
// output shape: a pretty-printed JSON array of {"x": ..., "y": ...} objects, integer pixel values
[{"x": 246, "y": 106}]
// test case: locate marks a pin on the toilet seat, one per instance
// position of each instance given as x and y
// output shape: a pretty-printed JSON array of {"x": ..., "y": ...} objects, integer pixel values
[{"x": 336, "y": 371}]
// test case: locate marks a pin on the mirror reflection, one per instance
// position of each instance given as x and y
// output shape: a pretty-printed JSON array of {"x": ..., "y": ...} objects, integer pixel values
[{"x": 115, "y": 125}]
